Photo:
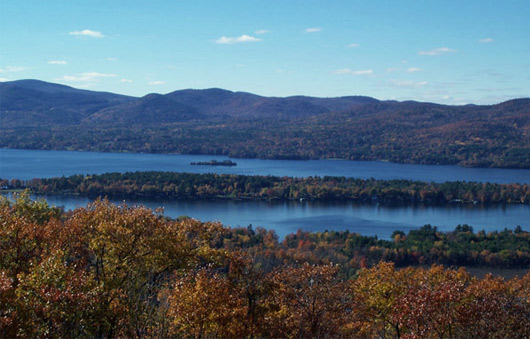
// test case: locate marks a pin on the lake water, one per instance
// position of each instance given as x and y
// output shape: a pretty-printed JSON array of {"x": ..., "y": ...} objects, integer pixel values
[
  {"x": 285, "y": 217},
  {"x": 29, "y": 164},
  {"x": 367, "y": 219}
]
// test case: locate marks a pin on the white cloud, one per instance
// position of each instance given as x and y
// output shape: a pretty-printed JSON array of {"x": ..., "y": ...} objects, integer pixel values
[
  {"x": 392, "y": 69},
  {"x": 4, "y": 79},
  {"x": 112, "y": 59},
  {"x": 157, "y": 82},
  {"x": 57, "y": 62},
  {"x": 12, "y": 69},
  {"x": 236, "y": 40},
  {"x": 352, "y": 72},
  {"x": 485, "y": 40},
  {"x": 364, "y": 72},
  {"x": 437, "y": 51},
  {"x": 353, "y": 45},
  {"x": 98, "y": 75},
  {"x": 126, "y": 80},
  {"x": 261, "y": 31},
  {"x": 407, "y": 83},
  {"x": 343, "y": 71},
  {"x": 413, "y": 70},
  {"x": 88, "y": 33},
  {"x": 71, "y": 78},
  {"x": 86, "y": 77},
  {"x": 313, "y": 29}
]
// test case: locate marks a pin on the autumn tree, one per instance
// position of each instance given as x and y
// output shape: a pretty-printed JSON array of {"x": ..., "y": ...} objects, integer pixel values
[{"x": 306, "y": 302}]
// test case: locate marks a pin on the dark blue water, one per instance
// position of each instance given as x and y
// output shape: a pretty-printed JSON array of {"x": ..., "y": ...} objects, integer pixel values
[
  {"x": 29, "y": 164},
  {"x": 285, "y": 217},
  {"x": 366, "y": 219}
]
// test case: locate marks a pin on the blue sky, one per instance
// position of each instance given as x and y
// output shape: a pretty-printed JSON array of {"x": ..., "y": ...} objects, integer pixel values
[{"x": 451, "y": 52}]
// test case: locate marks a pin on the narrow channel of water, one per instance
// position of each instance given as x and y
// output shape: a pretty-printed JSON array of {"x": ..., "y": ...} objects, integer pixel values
[
  {"x": 366, "y": 219},
  {"x": 29, "y": 164}
]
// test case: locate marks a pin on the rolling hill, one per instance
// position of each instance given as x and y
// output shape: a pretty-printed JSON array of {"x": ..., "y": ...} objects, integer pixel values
[{"x": 36, "y": 114}]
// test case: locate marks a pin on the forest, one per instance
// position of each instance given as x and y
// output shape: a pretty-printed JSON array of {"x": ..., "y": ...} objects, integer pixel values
[
  {"x": 108, "y": 270},
  {"x": 173, "y": 185},
  {"x": 39, "y": 115}
]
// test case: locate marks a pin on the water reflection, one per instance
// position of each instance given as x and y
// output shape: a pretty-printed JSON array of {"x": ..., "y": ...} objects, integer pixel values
[{"x": 367, "y": 219}]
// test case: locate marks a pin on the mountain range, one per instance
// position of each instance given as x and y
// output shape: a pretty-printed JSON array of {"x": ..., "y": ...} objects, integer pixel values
[
  {"x": 32, "y": 102},
  {"x": 41, "y": 115}
]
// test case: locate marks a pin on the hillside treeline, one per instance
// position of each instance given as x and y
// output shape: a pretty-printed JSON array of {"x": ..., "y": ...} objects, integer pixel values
[
  {"x": 36, "y": 115},
  {"x": 470, "y": 144},
  {"x": 208, "y": 186},
  {"x": 118, "y": 271}
]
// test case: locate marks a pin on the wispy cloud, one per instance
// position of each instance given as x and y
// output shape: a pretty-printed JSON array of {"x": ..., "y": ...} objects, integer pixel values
[
  {"x": 363, "y": 72},
  {"x": 313, "y": 29},
  {"x": 261, "y": 31},
  {"x": 407, "y": 83},
  {"x": 485, "y": 40},
  {"x": 8, "y": 69},
  {"x": 158, "y": 82},
  {"x": 343, "y": 71},
  {"x": 88, "y": 33},
  {"x": 413, "y": 70},
  {"x": 86, "y": 77},
  {"x": 236, "y": 40},
  {"x": 57, "y": 62},
  {"x": 353, "y": 45},
  {"x": 352, "y": 72},
  {"x": 126, "y": 80},
  {"x": 99, "y": 75},
  {"x": 112, "y": 59},
  {"x": 437, "y": 51}
]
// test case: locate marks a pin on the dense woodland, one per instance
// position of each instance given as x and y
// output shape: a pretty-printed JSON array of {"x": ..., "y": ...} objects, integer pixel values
[
  {"x": 119, "y": 271},
  {"x": 172, "y": 185},
  {"x": 38, "y": 115}
]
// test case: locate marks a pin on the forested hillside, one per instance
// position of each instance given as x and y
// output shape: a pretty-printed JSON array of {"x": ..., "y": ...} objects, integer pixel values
[
  {"x": 119, "y": 271},
  {"x": 46, "y": 116}
]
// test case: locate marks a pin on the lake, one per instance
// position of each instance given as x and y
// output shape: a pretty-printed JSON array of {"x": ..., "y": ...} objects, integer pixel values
[
  {"x": 285, "y": 217},
  {"x": 368, "y": 219},
  {"x": 29, "y": 164}
]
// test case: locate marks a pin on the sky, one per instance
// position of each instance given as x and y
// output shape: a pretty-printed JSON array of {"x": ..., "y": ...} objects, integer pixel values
[{"x": 450, "y": 52}]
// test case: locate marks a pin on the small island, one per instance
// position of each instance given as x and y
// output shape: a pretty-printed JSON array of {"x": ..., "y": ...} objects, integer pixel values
[{"x": 214, "y": 163}]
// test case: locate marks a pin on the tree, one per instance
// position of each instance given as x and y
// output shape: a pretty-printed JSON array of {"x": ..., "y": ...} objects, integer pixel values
[{"x": 306, "y": 302}]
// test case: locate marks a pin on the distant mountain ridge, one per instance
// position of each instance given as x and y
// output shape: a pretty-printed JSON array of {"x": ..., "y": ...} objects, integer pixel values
[
  {"x": 40, "y": 115},
  {"x": 34, "y": 102},
  {"x": 23, "y": 101}
]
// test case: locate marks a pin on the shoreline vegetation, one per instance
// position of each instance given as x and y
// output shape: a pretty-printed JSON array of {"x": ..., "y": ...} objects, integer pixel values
[
  {"x": 173, "y": 185},
  {"x": 107, "y": 270},
  {"x": 462, "y": 247}
]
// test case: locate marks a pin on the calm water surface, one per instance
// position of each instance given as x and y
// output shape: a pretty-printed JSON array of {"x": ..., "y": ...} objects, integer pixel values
[
  {"x": 366, "y": 219},
  {"x": 284, "y": 217},
  {"x": 29, "y": 164}
]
